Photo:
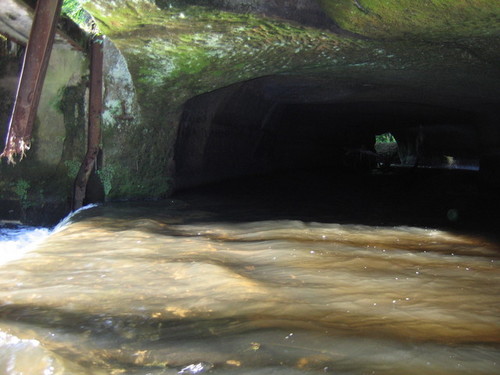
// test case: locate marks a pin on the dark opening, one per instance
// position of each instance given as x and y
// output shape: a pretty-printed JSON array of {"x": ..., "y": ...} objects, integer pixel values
[
  {"x": 299, "y": 141},
  {"x": 272, "y": 124}
]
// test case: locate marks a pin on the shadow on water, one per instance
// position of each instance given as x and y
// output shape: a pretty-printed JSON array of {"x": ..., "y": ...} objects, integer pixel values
[
  {"x": 264, "y": 344},
  {"x": 422, "y": 197},
  {"x": 290, "y": 274},
  {"x": 453, "y": 200}
]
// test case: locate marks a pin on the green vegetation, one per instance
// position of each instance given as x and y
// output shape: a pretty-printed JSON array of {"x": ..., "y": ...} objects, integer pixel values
[
  {"x": 181, "y": 51},
  {"x": 72, "y": 167},
  {"x": 175, "y": 50},
  {"x": 106, "y": 175},
  {"x": 385, "y": 138},
  {"x": 429, "y": 19},
  {"x": 121, "y": 182},
  {"x": 74, "y": 10},
  {"x": 27, "y": 194},
  {"x": 21, "y": 189}
]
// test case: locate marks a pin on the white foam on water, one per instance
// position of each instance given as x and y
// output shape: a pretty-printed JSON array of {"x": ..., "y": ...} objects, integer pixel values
[
  {"x": 26, "y": 356},
  {"x": 15, "y": 243},
  {"x": 19, "y": 240}
]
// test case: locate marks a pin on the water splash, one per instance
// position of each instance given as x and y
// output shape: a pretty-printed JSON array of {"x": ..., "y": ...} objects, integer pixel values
[
  {"x": 68, "y": 218},
  {"x": 17, "y": 240}
]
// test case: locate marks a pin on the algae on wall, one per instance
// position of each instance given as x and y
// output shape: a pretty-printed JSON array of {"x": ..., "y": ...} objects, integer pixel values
[
  {"x": 169, "y": 51},
  {"x": 175, "y": 50},
  {"x": 430, "y": 19},
  {"x": 131, "y": 167},
  {"x": 178, "y": 51}
]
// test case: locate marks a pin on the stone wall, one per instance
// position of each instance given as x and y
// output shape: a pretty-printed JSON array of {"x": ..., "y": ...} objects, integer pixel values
[{"x": 38, "y": 188}]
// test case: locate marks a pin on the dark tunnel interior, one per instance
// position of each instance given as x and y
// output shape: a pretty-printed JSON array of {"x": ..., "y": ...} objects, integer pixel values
[
  {"x": 312, "y": 147},
  {"x": 263, "y": 126}
]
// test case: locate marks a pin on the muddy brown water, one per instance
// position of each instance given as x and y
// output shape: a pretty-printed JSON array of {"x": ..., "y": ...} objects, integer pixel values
[{"x": 260, "y": 278}]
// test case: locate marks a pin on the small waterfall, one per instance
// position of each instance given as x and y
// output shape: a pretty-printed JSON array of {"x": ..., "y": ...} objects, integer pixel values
[
  {"x": 17, "y": 240},
  {"x": 70, "y": 216}
]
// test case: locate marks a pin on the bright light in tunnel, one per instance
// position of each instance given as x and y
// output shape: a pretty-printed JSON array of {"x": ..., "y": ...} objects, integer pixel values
[{"x": 385, "y": 138}]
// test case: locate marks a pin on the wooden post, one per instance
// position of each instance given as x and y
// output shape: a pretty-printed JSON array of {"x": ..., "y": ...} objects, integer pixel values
[
  {"x": 36, "y": 60},
  {"x": 94, "y": 129}
]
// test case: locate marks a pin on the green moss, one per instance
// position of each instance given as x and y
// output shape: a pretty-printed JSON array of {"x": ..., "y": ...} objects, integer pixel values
[
  {"x": 21, "y": 190},
  {"x": 179, "y": 52},
  {"x": 174, "y": 57},
  {"x": 106, "y": 175},
  {"x": 176, "y": 50},
  {"x": 124, "y": 183},
  {"x": 385, "y": 138},
  {"x": 72, "y": 167},
  {"x": 29, "y": 192},
  {"x": 73, "y": 10},
  {"x": 427, "y": 19},
  {"x": 184, "y": 50},
  {"x": 137, "y": 168}
]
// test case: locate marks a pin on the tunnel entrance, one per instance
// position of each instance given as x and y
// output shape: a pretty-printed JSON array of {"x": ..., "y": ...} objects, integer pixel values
[
  {"x": 282, "y": 123},
  {"x": 300, "y": 143}
]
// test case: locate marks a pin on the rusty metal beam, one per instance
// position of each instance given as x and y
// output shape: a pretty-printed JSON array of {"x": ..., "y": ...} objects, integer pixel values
[
  {"x": 35, "y": 64},
  {"x": 94, "y": 126}
]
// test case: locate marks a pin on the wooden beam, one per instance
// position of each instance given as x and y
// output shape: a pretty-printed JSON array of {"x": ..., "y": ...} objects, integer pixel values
[
  {"x": 36, "y": 60},
  {"x": 94, "y": 128}
]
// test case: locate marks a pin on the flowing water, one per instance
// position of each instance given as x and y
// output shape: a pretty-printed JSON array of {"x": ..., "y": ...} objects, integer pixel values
[{"x": 252, "y": 285}]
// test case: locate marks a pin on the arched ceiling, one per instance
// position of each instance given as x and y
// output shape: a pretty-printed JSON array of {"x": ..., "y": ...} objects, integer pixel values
[{"x": 183, "y": 48}]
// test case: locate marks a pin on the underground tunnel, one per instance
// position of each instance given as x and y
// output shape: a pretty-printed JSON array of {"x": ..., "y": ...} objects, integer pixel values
[
  {"x": 301, "y": 137},
  {"x": 267, "y": 187},
  {"x": 196, "y": 95},
  {"x": 285, "y": 123}
]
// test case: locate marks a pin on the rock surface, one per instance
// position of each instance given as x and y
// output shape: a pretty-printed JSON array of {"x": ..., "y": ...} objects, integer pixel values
[{"x": 404, "y": 63}]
